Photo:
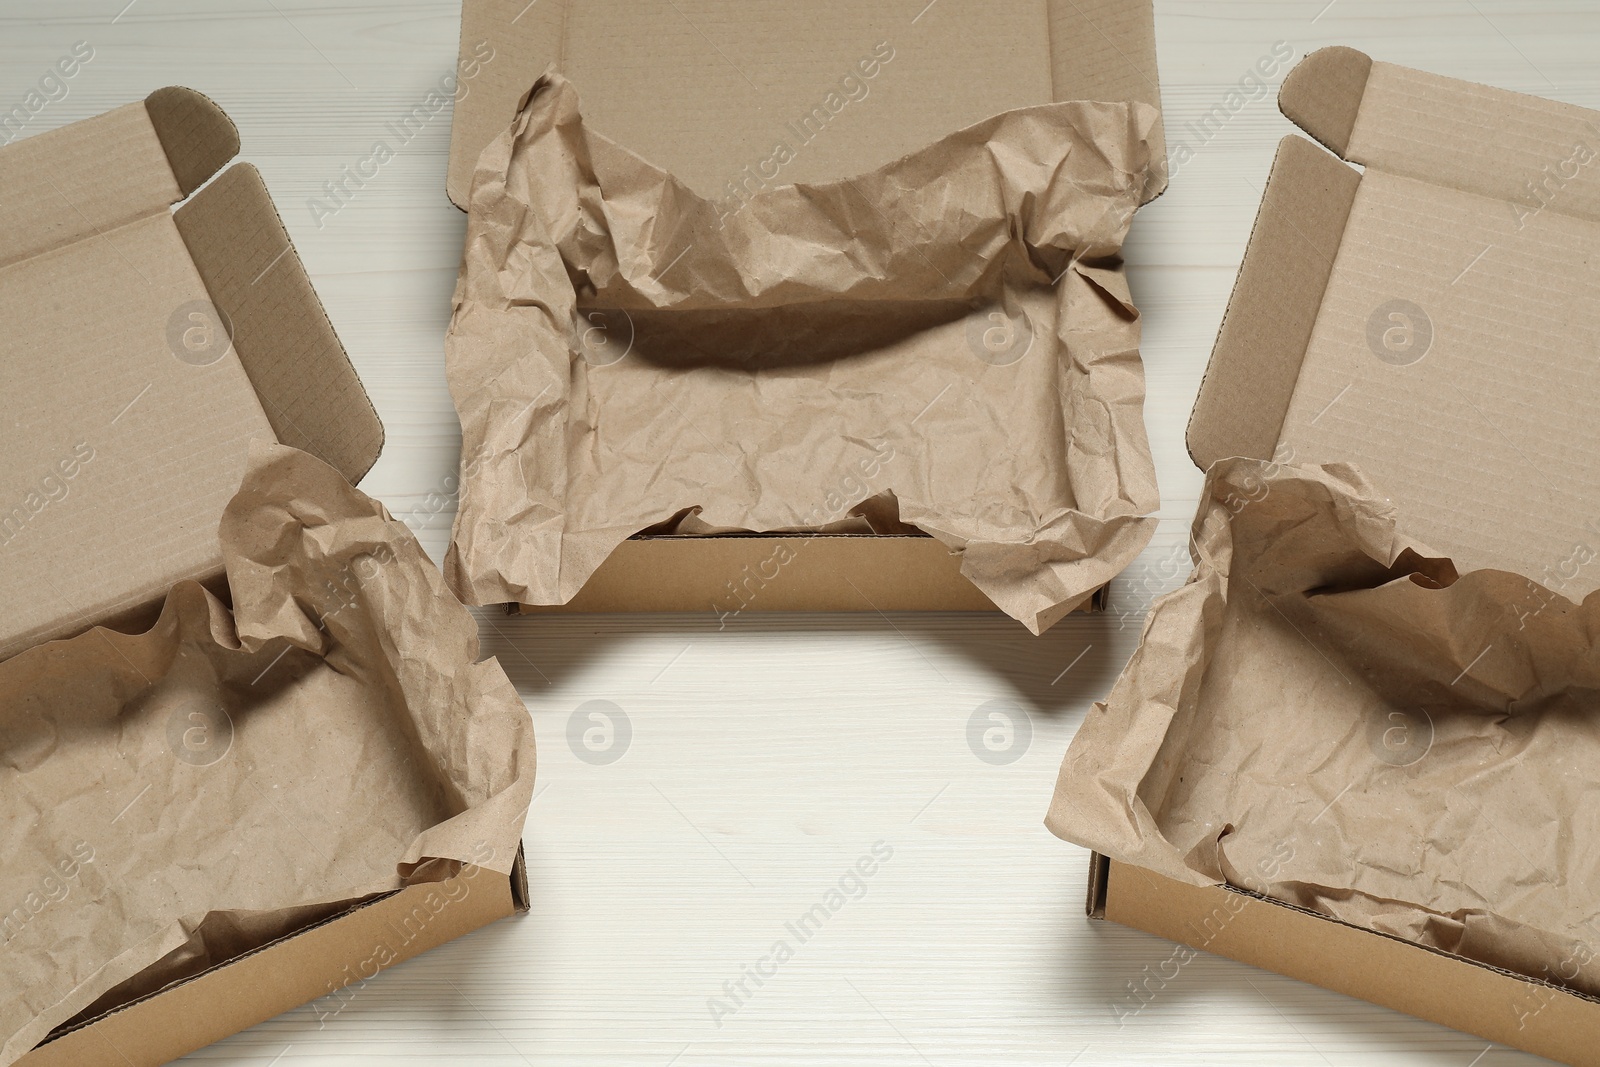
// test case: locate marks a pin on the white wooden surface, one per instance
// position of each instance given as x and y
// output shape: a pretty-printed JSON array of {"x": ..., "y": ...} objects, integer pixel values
[{"x": 766, "y": 758}]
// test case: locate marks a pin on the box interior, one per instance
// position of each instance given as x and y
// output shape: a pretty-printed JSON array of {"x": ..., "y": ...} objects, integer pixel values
[{"x": 705, "y": 89}]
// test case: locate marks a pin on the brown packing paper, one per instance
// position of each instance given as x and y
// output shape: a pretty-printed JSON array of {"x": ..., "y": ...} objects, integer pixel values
[
  {"x": 1328, "y": 716},
  {"x": 945, "y": 344},
  {"x": 194, "y": 791}
]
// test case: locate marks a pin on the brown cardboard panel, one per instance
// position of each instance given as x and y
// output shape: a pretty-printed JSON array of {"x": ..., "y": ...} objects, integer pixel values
[
  {"x": 1106, "y": 50},
  {"x": 1441, "y": 988},
  {"x": 1432, "y": 321},
  {"x": 1488, "y": 441},
  {"x": 765, "y": 65},
  {"x": 730, "y": 575},
  {"x": 706, "y": 87},
  {"x": 119, "y": 456},
  {"x": 123, "y": 439},
  {"x": 1495, "y": 143},
  {"x": 56, "y": 192},
  {"x": 336, "y": 955},
  {"x": 300, "y": 372},
  {"x": 1246, "y": 390}
]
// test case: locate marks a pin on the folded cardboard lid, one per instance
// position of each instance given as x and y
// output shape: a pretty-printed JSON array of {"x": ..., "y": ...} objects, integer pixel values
[
  {"x": 143, "y": 349},
  {"x": 1433, "y": 318},
  {"x": 705, "y": 88}
]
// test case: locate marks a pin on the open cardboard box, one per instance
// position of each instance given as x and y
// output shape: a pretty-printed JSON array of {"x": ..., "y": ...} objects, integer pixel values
[
  {"x": 146, "y": 348},
  {"x": 666, "y": 82},
  {"x": 1431, "y": 319}
]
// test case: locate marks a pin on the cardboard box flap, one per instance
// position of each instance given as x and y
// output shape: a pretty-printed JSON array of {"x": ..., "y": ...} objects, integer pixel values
[
  {"x": 1475, "y": 138},
  {"x": 197, "y": 136},
  {"x": 1247, "y": 386},
  {"x": 160, "y": 150},
  {"x": 307, "y": 386},
  {"x": 1433, "y": 318},
  {"x": 706, "y": 89},
  {"x": 130, "y": 412},
  {"x": 1323, "y": 94},
  {"x": 56, "y": 192},
  {"x": 1106, "y": 50}
]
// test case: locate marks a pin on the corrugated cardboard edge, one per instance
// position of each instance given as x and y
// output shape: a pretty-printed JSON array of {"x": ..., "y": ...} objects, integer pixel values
[
  {"x": 1382, "y": 970},
  {"x": 285, "y": 974},
  {"x": 1267, "y": 326},
  {"x": 1095, "y": 903},
  {"x": 533, "y": 34},
  {"x": 308, "y": 387},
  {"x": 731, "y": 575}
]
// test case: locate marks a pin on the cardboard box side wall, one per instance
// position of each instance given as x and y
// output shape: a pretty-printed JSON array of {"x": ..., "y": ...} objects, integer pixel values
[
  {"x": 1250, "y": 379},
  {"x": 321, "y": 960},
  {"x": 1387, "y": 971},
  {"x": 728, "y": 575},
  {"x": 302, "y": 375}
]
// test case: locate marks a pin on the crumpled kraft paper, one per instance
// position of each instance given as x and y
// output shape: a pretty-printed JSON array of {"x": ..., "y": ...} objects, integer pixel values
[
  {"x": 188, "y": 793},
  {"x": 951, "y": 333},
  {"x": 1329, "y": 716}
]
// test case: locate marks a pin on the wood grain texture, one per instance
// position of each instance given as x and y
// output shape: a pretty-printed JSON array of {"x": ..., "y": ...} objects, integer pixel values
[{"x": 766, "y": 757}]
